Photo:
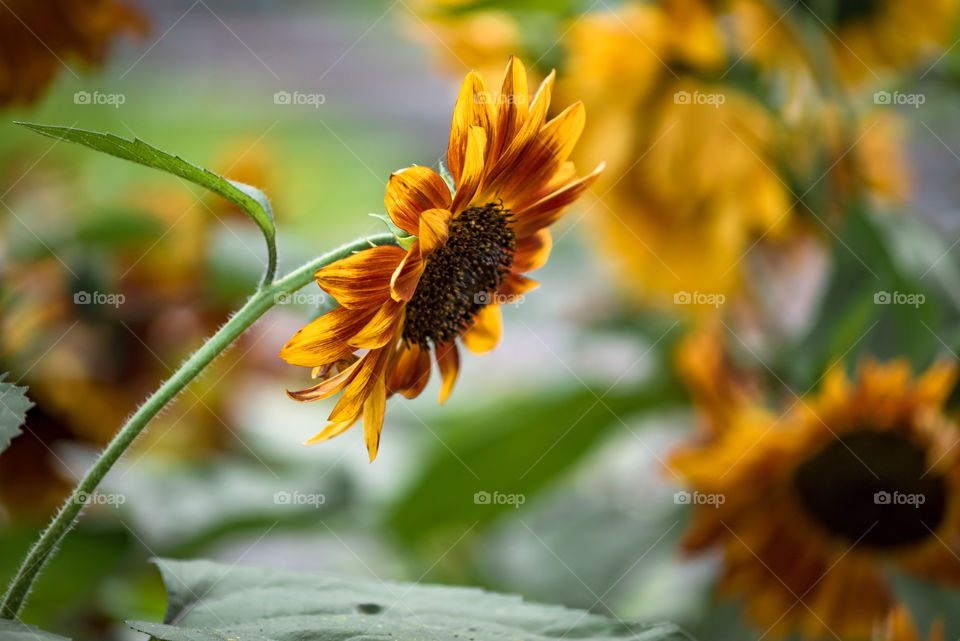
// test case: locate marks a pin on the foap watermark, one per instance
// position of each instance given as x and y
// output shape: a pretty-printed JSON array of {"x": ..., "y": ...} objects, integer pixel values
[
  {"x": 300, "y": 298},
  {"x": 899, "y": 298},
  {"x": 499, "y": 498},
  {"x": 99, "y": 498},
  {"x": 898, "y": 498},
  {"x": 495, "y": 98},
  {"x": 899, "y": 98},
  {"x": 297, "y": 497},
  {"x": 699, "y": 298},
  {"x": 699, "y": 98},
  {"x": 698, "y": 498},
  {"x": 488, "y": 298},
  {"x": 98, "y": 298},
  {"x": 99, "y": 98},
  {"x": 299, "y": 98}
]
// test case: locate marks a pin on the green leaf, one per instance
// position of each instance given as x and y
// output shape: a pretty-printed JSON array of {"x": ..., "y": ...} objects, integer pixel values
[
  {"x": 249, "y": 199},
  {"x": 208, "y": 601},
  {"x": 13, "y": 410},
  {"x": 16, "y": 631},
  {"x": 513, "y": 448}
]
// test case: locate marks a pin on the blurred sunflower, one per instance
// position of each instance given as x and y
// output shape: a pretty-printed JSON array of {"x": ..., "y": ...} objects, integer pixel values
[
  {"x": 900, "y": 626},
  {"x": 819, "y": 500},
  {"x": 513, "y": 180},
  {"x": 877, "y": 36},
  {"x": 38, "y": 37}
]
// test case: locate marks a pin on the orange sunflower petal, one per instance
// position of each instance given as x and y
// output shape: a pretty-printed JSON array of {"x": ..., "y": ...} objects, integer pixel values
[
  {"x": 516, "y": 285},
  {"x": 508, "y": 158},
  {"x": 327, "y": 388},
  {"x": 532, "y": 252},
  {"x": 472, "y": 171},
  {"x": 381, "y": 328},
  {"x": 373, "y": 410},
  {"x": 404, "y": 281},
  {"x": 325, "y": 339},
  {"x": 362, "y": 279},
  {"x": 486, "y": 330},
  {"x": 473, "y": 109},
  {"x": 512, "y": 107},
  {"x": 412, "y": 191},
  {"x": 546, "y": 153},
  {"x": 448, "y": 362},
  {"x": 331, "y": 430},
  {"x": 548, "y": 209},
  {"x": 351, "y": 403},
  {"x": 412, "y": 372},
  {"x": 434, "y": 229}
]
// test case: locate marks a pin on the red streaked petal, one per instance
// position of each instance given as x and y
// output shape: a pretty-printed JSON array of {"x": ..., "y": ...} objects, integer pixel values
[
  {"x": 361, "y": 279},
  {"x": 472, "y": 172},
  {"x": 548, "y": 209},
  {"x": 373, "y": 410},
  {"x": 325, "y": 340},
  {"x": 434, "y": 229},
  {"x": 473, "y": 109},
  {"x": 512, "y": 107},
  {"x": 327, "y": 388},
  {"x": 532, "y": 251},
  {"x": 381, "y": 329},
  {"x": 404, "y": 281},
  {"x": 412, "y": 372}
]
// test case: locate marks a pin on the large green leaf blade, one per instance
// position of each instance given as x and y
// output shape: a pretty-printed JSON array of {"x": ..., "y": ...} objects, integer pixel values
[
  {"x": 210, "y": 601},
  {"x": 13, "y": 410},
  {"x": 16, "y": 631},
  {"x": 250, "y": 199}
]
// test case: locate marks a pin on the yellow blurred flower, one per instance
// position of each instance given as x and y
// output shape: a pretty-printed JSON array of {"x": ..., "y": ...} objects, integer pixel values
[
  {"x": 817, "y": 501},
  {"x": 40, "y": 37},
  {"x": 899, "y": 626}
]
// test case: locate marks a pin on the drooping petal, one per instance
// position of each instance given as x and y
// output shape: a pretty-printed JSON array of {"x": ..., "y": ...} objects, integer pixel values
[
  {"x": 328, "y": 387},
  {"x": 486, "y": 330},
  {"x": 548, "y": 209},
  {"x": 351, "y": 403},
  {"x": 412, "y": 191},
  {"x": 434, "y": 229},
  {"x": 532, "y": 252},
  {"x": 473, "y": 109},
  {"x": 404, "y": 281},
  {"x": 412, "y": 372},
  {"x": 448, "y": 362},
  {"x": 381, "y": 329},
  {"x": 512, "y": 107},
  {"x": 325, "y": 339},
  {"x": 331, "y": 430},
  {"x": 362, "y": 279},
  {"x": 472, "y": 172},
  {"x": 373, "y": 410}
]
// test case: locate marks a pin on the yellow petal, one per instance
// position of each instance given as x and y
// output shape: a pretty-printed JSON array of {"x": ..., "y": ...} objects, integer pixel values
[
  {"x": 331, "y": 430},
  {"x": 472, "y": 172},
  {"x": 486, "y": 330},
  {"x": 373, "y": 410},
  {"x": 325, "y": 340},
  {"x": 381, "y": 328},
  {"x": 512, "y": 107},
  {"x": 351, "y": 403}
]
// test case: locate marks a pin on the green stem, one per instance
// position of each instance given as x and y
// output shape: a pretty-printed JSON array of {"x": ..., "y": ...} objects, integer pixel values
[{"x": 254, "y": 308}]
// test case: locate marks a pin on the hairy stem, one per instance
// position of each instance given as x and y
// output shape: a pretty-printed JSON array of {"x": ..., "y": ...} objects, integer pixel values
[{"x": 254, "y": 308}]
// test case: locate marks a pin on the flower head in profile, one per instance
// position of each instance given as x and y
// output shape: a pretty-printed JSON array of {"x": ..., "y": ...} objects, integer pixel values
[
  {"x": 819, "y": 501},
  {"x": 400, "y": 307}
]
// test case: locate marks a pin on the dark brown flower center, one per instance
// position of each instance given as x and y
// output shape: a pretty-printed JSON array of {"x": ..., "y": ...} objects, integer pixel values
[
  {"x": 460, "y": 277},
  {"x": 873, "y": 488}
]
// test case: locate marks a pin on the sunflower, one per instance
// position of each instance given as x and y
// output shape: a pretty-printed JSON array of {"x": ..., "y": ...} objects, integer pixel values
[
  {"x": 818, "y": 501},
  {"x": 900, "y": 626},
  {"x": 871, "y": 37},
  {"x": 38, "y": 37},
  {"x": 398, "y": 306}
]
